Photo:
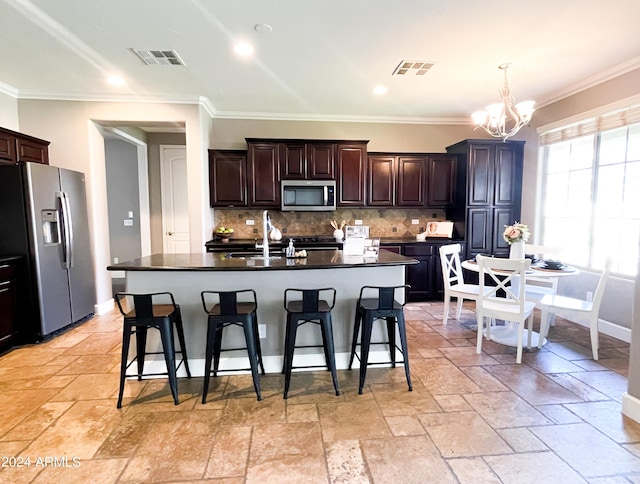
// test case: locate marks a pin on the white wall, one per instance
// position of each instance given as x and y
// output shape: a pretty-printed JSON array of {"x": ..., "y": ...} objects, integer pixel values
[
  {"x": 8, "y": 111},
  {"x": 77, "y": 144}
]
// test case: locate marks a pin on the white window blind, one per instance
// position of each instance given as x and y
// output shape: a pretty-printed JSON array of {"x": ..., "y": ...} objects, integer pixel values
[{"x": 604, "y": 122}]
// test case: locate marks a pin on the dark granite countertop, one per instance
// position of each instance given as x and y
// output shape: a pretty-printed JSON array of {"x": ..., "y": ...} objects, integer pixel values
[{"x": 317, "y": 259}]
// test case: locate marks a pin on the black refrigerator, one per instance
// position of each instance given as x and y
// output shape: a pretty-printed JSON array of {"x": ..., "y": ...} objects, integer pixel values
[{"x": 43, "y": 217}]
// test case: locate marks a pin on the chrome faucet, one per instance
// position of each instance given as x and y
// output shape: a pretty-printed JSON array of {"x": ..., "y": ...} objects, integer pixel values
[{"x": 266, "y": 227}]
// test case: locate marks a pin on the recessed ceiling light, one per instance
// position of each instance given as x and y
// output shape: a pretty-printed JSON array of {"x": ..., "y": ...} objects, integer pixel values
[
  {"x": 115, "y": 80},
  {"x": 263, "y": 28},
  {"x": 379, "y": 90},
  {"x": 243, "y": 48}
]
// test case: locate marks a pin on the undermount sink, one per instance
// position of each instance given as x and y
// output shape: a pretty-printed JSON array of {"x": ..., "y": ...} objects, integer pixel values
[{"x": 249, "y": 255}]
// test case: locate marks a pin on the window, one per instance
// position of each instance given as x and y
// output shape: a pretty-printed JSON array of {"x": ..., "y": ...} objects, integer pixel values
[{"x": 591, "y": 198}]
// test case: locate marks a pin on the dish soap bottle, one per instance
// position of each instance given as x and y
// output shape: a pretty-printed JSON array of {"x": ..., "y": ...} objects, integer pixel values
[{"x": 291, "y": 251}]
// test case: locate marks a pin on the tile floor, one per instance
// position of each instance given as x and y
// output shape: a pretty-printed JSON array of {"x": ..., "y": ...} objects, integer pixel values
[{"x": 471, "y": 418}]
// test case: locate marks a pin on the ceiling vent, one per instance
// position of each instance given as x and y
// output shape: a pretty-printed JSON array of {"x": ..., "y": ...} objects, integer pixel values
[
  {"x": 159, "y": 57},
  {"x": 408, "y": 67}
]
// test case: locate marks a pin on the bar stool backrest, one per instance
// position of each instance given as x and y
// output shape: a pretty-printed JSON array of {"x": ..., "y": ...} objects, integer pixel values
[
  {"x": 143, "y": 304},
  {"x": 385, "y": 295},
  {"x": 227, "y": 301},
  {"x": 311, "y": 298}
]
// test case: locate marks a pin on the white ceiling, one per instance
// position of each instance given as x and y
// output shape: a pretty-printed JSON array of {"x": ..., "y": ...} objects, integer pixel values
[{"x": 323, "y": 57}]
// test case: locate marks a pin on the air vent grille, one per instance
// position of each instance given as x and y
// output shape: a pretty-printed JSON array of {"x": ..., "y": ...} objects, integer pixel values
[
  {"x": 407, "y": 67},
  {"x": 159, "y": 57}
]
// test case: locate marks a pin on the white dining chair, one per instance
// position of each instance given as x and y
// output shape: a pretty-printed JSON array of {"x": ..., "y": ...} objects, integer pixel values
[
  {"x": 493, "y": 305},
  {"x": 576, "y": 308},
  {"x": 453, "y": 280},
  {"x": 537, "y": 287}
]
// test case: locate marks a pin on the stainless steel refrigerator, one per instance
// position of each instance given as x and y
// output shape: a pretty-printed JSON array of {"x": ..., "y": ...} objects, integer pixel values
[{"x": 43, "y": 217}]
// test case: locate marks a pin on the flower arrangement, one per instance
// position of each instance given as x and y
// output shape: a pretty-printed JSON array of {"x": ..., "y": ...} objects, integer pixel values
[{"x": 516, "y": 233}]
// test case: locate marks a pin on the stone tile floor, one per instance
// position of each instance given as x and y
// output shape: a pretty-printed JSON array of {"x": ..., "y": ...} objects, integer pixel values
[{"x": 471, "y": 418}]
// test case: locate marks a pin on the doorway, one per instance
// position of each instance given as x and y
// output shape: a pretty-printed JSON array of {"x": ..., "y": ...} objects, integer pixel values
[{"x": 175, "y": 204}]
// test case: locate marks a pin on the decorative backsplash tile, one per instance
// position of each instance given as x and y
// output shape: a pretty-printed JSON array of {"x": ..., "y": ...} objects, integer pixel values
[{"x": 383, "y": 222}]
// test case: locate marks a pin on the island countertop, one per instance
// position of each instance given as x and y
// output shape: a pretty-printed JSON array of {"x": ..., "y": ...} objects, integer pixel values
[{"x": 316, "y": 259}]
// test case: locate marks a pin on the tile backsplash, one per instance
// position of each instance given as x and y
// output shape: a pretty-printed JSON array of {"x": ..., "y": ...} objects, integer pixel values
[{"x": 383, "y": 222}]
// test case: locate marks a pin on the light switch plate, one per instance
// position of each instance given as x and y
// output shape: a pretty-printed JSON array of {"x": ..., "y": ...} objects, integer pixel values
[
  {"x": 128, "y": 222},
  {"x": 250, "y": 221},
  {"x": 358, "y": 222},
  {"x": 415, "y": 221},
  {"x": 130, "y": 214},
  {"x": 262, "y": 331}
]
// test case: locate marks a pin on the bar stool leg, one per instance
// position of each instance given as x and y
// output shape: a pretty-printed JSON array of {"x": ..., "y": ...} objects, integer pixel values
[
  {"x": 354, "y": 340},
  {"x": 391, "y": 333},
  {"x": 126, "y": 338},
  {"x": 183, "y": 346},
  {"x": 292, "y": 329},
  {"x": 365, "y": 342},
  {"x": 325, "y": 346},
  {"x": 141, "y": 348},
  {"x": 249, "y": 333},
  {"x": 327, "y": 331},
  {"x": 405, "y": 352},
  {"x": 211, "y": 335},
  {"x": 217, "y": 346},
  {"x": 257, "y": 339},
  {"x": 166, "y": 334}
]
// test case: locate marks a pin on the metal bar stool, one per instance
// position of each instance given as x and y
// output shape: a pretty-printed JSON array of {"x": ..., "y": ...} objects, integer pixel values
[
  {"x": 224, "y": 310},
  {"x": 144, "y": 315},
  {"x": 368, "y": 309},
  {"x": 311, "y": 309}
]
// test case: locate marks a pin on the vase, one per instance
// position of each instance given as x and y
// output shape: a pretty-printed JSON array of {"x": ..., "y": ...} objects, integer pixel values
[
  {"x": 516, "y": 250},
  {"x": 339, "y": 235}
]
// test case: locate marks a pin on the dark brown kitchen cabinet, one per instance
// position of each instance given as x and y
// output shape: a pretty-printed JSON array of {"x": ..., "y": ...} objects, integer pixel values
[
  {"x": 381, "y": 181},
  {"x": 18, "y": 147},
  {"x": 263, "y": 164},
  {"x": 307, "y": 161},
  {"x": 227, "y": 178},
  {"x": 421, "y": 276},
  {"x": 488, "y": 193},
  {"x": 8, "y": 304},
  {"x": 441, "y": 176},
  {"x": 351, "y": 162},
  {"x": 412, "y": 176}
]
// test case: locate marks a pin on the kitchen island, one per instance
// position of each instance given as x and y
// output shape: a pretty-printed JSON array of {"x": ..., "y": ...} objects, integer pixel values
[{"x": 186, "y": 275}]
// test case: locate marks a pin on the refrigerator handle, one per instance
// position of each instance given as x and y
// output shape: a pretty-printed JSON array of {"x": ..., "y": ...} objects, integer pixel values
[{"x": 67, "y": 229}]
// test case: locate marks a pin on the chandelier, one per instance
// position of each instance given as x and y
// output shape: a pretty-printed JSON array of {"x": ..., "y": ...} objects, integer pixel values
[{"x": 505, "y": 118}]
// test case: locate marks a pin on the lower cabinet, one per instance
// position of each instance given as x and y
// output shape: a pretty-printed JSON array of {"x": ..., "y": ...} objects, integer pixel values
[
  {"x": 8, "y": 305},
  {"x": 425, "y": 277}
]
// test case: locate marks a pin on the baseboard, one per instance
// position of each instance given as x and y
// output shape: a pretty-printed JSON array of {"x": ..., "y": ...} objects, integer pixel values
[
  {"x": 272, "y": 364},
  {"x": 631, "y": 407},
  {"x": 608, "y": 328},
  {"x": 104, "y": 307}
]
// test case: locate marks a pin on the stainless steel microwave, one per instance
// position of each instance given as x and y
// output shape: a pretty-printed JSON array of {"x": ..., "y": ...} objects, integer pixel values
[{"x": 308, "y": 195}]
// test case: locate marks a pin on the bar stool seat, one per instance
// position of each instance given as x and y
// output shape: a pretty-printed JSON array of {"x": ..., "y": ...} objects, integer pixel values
[
  {"x": 369, "y": 309},
  {"x": 163, "y": 317},
  {"x": 224, "y": 309},
  {"x": 310, "y": 309}
]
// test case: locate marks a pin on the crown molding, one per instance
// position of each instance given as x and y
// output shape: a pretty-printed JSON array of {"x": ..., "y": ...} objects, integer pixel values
[
  {"x": 8, "y": 90},
  {"x": 592, "y": 81},
  {"x": 340, "y": 118}
]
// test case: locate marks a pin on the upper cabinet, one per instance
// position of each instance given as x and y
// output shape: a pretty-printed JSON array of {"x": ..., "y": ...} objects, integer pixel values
[
  {"x": 411, "y": 180},
  {"x": 412, "y": 176},
  {"x": 351, "y": 162},
  {"x": 441, "y": 176},
  {"x": 263, "y": 163},
  {"x": 489, "y": 193},
  {"x": 381, "y": 180},
  {"x": 17, "y": 147},
  {"x": 307, "y": 161},
  {"x": 228, "y": 178}
]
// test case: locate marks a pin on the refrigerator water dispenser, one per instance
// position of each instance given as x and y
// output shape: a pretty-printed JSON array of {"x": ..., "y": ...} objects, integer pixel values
[{"x": 50, "y": 227}]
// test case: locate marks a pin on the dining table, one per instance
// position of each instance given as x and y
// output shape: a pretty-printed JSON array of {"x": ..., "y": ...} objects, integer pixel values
[{"x": 507, "y": 333}]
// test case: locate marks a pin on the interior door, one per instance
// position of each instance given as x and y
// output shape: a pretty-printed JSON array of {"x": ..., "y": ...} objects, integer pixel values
[{"x": 175, "y": 206}]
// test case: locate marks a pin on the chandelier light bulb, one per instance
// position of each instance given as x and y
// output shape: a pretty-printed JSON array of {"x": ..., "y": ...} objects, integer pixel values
[{"x": 505, "y": 118}]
